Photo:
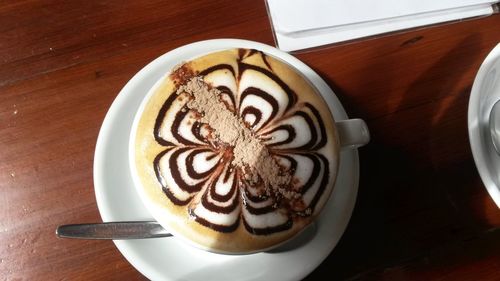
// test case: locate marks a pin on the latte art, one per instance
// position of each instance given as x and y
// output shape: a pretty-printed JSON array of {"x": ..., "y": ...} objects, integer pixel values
[{"x": 242, "y": 148}]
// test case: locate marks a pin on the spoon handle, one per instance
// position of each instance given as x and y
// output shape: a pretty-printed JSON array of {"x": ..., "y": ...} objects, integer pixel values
[{"x": 113, "y": 230}]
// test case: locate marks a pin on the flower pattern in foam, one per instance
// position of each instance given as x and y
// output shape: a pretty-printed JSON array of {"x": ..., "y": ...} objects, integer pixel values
[{"x": 197, "y": 173}]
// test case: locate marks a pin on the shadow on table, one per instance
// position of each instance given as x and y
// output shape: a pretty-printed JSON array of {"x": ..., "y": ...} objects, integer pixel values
[{"x": 417, "y": 206}]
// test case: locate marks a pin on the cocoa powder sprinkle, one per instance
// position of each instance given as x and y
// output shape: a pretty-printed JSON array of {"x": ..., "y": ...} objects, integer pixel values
[{"x": 248, "y": 152}]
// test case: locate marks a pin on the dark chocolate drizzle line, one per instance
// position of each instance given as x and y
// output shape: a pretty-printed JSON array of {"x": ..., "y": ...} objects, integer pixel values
[
  {"x": 190, "y": 167},
  {"x": 286, "y": 127},
  {"x": 268, "y": 230},
  {"x": 319, "y": 120},
  {"x": 293, "y": 162},
  {"x": 226, "y": 91},
  {"x": 323, "y": 183},
  {"x": 314, "y": 135},
  {"x": 196, "y": 130},
  {"x": 174, "y": 199},
  {"x": 255, "y": 199},
  {"x": 179, "y": 116},
  {"x": 216, "y": 227},
  {"x": 174, "y": 170},
  {"x": 163, "y": 183},
  {"x": 245, "y": 53},
  {"x": 264, "y": 58},
  {"x": 265, "y": 96},
  {"x": 220, "y": 198},
  {"x": 210, "y": 157},
  {"x": 159, "y": 120},
  {"x": 242, "y": 53},
  {"x": 259, "y": 211},
  {"x": 292, "y": 97},
  {"x": 250, "y": 196},
  {"x": 315, "y": 171},
  {"x": 247, "y": 203},
  {"x": 156, "y": 164},
  {"x": 253, "y": 111},
  {"x": 228, "y": 174},
  {"x": 251, "y": 52},
  {"x": 216, "y": 67}
]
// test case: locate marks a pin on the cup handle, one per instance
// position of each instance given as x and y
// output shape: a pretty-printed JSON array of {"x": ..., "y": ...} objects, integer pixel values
[{"x": 353, "y": 133}]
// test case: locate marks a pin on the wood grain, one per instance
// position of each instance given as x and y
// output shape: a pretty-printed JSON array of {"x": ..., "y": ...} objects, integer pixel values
[{"x": 422, "y": 211}]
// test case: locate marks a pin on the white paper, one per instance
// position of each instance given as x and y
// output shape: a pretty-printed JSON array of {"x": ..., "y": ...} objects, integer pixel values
[{"x": 301, "y": 24}]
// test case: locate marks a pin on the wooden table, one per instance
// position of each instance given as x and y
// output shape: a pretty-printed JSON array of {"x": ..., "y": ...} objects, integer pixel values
[{"x": 422, "y": 212}]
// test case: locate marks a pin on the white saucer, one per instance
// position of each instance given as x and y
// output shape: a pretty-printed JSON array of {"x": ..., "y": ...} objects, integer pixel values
[
  {"x": 485, "y": 92},
  {"x": 170, "y": 258}
]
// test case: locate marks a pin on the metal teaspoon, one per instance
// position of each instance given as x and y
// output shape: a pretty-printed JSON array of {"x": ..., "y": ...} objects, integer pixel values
[
  {"x": 494, "y": 125},
  {"x": 113, "y": 230}
]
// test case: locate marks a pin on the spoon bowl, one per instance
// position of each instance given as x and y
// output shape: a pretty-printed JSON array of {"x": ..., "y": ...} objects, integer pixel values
[{"x": 494, "y": 124}]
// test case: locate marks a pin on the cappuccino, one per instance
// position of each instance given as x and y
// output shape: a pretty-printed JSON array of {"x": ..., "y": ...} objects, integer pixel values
[{"x": 236, "y": 151}]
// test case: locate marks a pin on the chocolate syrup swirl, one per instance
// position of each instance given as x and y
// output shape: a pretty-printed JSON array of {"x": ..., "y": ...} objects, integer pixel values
[
  {"x": 217, "y": 227},
  {"x": 195, "y": 173},
  {"x": 251, "y": 91},
  {"x": 250, "y": 110},
  {"x": 176, "y": 174},
  {"x": 159, "y": 120},
  {"x": 268, "y": 230},
  {"x": 292, "y": 96}
]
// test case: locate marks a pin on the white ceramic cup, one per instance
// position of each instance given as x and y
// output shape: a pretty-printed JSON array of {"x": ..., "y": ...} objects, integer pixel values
[{"x": 351, "y": 134}]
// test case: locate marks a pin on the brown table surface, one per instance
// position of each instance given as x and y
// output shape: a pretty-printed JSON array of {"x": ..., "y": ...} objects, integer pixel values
[{"x": 422, "y": 211}]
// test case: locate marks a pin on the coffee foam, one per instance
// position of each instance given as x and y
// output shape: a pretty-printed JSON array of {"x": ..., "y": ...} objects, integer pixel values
[{"x": 207, "y": 200}]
